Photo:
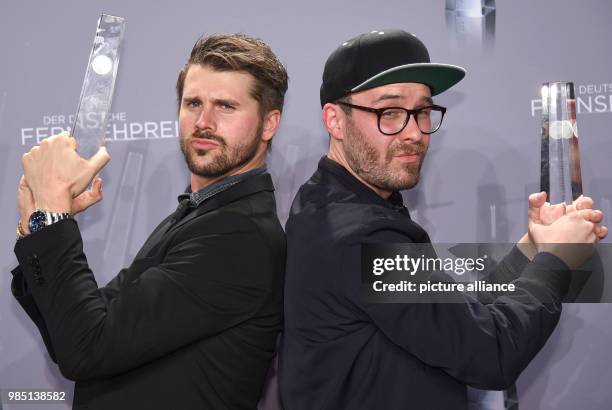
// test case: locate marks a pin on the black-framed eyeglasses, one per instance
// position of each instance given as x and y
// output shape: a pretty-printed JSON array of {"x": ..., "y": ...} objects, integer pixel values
[{"x": 392, "y": 120}]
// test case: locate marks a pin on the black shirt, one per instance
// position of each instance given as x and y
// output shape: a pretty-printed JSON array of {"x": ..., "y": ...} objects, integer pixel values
[{"x": 340, "y": 353}]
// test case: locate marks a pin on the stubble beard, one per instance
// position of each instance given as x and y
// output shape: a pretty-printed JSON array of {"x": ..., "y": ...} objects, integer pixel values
[
  {"x": 223, "y": 158},
  {"x": 364, "y": 161}
]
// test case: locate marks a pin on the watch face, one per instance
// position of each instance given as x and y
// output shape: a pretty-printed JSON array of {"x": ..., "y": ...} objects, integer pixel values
[{"x": 38, "y": 220}]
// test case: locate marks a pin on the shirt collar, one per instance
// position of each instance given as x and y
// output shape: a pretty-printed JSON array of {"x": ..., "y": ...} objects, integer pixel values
[{"x": 196, "y": 198}]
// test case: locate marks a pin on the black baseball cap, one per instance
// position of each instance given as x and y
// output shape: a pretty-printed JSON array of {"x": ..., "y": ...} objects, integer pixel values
[{"x": 383, "y": 57}]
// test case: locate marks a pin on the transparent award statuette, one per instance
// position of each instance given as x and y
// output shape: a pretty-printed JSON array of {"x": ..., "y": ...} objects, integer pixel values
[
  {"x": 89, "y": 127},
  {"x": 560, "y": 174},
  {"x": 470, "y": 8},
  {"x": 471, "y": 22}
]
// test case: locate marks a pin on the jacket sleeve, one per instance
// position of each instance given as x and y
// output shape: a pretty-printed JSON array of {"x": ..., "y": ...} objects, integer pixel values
[
  {"x": 207, "y": 283},
  {"x": 20, "y": 291},
  {"x": 507, "y": 270},
  {"x": 22, "y": 294},
  {"x": 486, "y": 346}
]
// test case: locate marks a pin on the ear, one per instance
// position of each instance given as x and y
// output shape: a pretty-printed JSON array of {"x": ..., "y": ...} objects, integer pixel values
[
  {"x": 271, "y": 122},
  {"x": 334, "y": 120}
]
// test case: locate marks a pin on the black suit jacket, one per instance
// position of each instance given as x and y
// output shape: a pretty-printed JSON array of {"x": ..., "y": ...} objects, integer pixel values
[{"x": 191, "y": 324}]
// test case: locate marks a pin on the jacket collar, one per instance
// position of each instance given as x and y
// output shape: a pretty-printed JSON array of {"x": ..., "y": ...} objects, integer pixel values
[
  {"x": 196, "y": 198},
  {"x": 246, "y": 187}
]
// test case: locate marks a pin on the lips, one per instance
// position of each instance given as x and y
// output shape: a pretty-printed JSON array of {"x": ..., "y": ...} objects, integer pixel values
[
  {"x": 408, "y": 157},
  {"x": 203, "y": 144}
]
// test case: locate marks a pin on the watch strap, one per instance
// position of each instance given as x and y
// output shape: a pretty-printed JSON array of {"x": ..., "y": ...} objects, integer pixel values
[{"x": 53, "y": 217}]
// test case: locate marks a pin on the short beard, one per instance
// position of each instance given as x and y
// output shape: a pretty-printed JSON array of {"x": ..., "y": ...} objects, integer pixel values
[
  {"x": 363, "y": 160},
  {"x": 223, "y": 158}
]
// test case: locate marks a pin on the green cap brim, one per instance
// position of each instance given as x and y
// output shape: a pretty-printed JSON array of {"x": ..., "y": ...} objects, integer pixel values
[{"x": 439, "y": 77}]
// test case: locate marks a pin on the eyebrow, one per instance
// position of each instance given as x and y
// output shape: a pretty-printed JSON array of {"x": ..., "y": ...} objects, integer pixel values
[
  {"x": 424, "y": 99},
  {"x": 427, "y": 100},
  {"x": 216, "y": 101},
  {"x": 385, "y": 97},
  {"x": 226, "y": 101}
]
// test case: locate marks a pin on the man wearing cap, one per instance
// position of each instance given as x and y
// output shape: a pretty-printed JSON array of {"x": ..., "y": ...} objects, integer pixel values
[{"x": 339, "y": 352}]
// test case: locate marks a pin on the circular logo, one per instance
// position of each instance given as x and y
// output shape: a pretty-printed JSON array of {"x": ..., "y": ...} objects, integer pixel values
[
  {"x": 102, "y": 65},
  {"x": 560, "y": 129}
]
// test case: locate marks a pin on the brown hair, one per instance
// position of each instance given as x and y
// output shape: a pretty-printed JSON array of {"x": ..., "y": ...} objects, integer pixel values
[{"x": 238, "y": 52}]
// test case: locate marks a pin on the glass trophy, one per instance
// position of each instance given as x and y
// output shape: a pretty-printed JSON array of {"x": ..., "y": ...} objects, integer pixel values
[
  {"x": 470, "y": 8},
  {"x": 89, "y": 127},
  {"x": 560, "y": 174},
  {"x": 471, "y": 22}
]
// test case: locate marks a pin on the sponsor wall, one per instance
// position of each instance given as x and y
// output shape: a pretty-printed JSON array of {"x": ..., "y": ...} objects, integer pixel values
[{"x": 475, "y": 182}]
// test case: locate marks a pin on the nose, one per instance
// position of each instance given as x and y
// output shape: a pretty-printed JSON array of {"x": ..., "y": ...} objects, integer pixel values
[
  {"x": 411, "y": 133},
  {"x": 206, "y": 119}
]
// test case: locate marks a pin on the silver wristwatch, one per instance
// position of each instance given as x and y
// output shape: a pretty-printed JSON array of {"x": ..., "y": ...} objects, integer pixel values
[{"x": 39, "y": 219}]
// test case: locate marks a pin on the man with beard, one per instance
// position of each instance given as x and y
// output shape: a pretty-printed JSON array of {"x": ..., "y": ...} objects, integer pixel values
[
  {"x": 341, "y": 352},
  {"x": 192, "y": 323}
]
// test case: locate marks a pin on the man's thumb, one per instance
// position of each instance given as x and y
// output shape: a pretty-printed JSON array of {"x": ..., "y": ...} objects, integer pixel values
[{"x": 99, "y": 160}]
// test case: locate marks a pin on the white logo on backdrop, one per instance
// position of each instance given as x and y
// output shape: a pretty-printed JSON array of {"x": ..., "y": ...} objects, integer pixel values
[
  {"x": 118, "y": 128},
  {"x": 590, "y": 99}
]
